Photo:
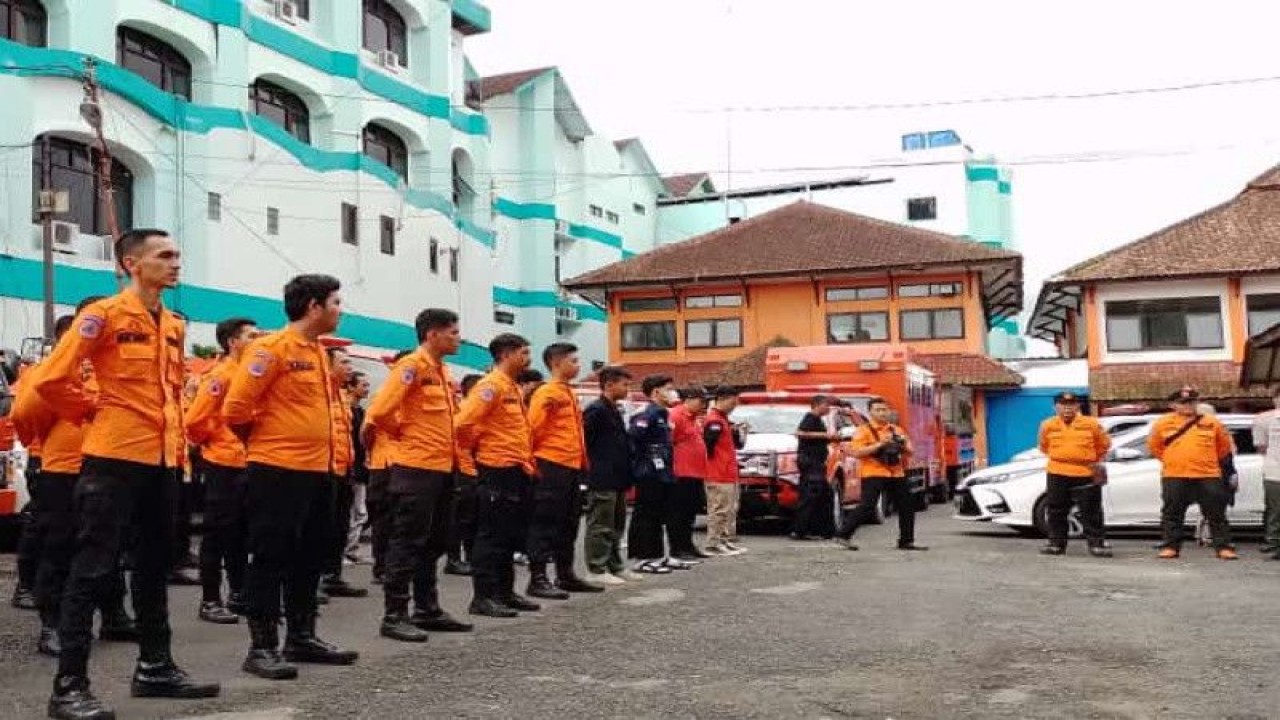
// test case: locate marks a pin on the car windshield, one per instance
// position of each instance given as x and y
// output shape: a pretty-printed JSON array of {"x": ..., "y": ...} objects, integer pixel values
[{"x": 784, "y": 419}]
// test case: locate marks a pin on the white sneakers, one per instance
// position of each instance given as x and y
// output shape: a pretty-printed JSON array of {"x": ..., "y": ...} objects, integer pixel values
[{"x": 726, "y": 549}]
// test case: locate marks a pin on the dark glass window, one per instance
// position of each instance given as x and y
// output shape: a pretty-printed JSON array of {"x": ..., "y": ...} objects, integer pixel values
[
  {"x": 1264, "y": 312},
  {"x": 387, "y": 148},
  {"x": 713, "y": 333},
  {"x": 282, "y": 108},
  {"x": 649, "y": 335},
  {"x": 453, "y": 264},
  {"x": 858, "y": 327},
  {"x": 950, "y": 289},
  {"x": 925, "y": 208},
  {"x": 384, "y": 29},
  {"x": 25, "y": 22},
  {"x": 60, "y": 164},
  {"x": 350, "y": 224},
  {"x": 931, "y": 324},
  {"x": 388, "y": 239},
  {"x": 433, "y": 255},
  {"x": 648, "y": 304},
  {"x": 1163, "y": 324},
  {"x": 155, "y": 60},
  {"x": 878, "y": 292}
]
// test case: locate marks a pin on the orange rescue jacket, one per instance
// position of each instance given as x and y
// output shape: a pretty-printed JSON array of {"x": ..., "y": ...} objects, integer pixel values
[
  {"x": 206, "y": 427},
  {"x": 492, "y": 426},
  {"x": 1073, "y": 449},
  {"x": 555, "y": 426},
  {"x": 1197, "y": 454},
  {"x": 415, "y": 410}
]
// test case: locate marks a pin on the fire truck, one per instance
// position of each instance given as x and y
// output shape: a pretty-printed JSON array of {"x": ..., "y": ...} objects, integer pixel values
[{"x": 857, "y": 373}]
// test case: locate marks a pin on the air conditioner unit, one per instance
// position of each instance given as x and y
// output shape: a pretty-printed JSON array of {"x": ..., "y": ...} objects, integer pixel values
[
  {"x": 65, "y": 236},
  {"x": 566, "y": 313},
  {"x": 287, "y": 11},
  {"x": 389, "y": 59}
]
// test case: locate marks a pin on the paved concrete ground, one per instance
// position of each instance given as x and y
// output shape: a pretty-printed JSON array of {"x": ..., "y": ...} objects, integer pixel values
[{"x": 979, "y": 627}]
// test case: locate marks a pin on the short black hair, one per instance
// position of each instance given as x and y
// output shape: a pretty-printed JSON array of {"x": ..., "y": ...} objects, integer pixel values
[
  {"x": 355, "y": 378},
  {"x": 877, "y": 401},
  {"x": 653, "y": 382},
  {"x": 693, "y": 392},
  {"x": 434, "y": 319},
  {"x": 820, "y": 399},
  {"x": 469, "y": 381},
  {"x": 556, "y": 351},
  {"x": 505, "y": 344},
  {"x": 302, "y": 290},
  {"x": 611, "y": 374},
  {"x": 228, "y": 329},
  {"x": 725, "y": 391},
  {"x": 62, "y": 325},
  {"x": 530, "y": 375},
  {"x": 80, "y": 306},
  {"x": 131, "y": 240}
]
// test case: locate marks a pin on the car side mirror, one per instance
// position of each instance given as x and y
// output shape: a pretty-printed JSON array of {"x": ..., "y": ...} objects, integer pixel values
[{"x": 1126, "y": 454}]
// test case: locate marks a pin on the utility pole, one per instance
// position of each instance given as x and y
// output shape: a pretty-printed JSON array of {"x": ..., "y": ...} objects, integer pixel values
[
  {"x": 91, "y": 111},
  {"x": 51, "y": 202}
]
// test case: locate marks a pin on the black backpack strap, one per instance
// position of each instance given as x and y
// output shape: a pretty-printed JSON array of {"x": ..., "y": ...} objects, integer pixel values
[{"x": 1182, "y": 430}]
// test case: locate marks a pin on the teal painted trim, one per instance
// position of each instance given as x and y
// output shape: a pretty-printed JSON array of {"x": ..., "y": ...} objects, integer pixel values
[
  {"x": 981, "y": 173},
  {"x": 233, "y": 14},
  {"x": 474, "y": 14},
  {"x": 589, "y": 233},
  {"x": 524, "y": 211},
  {"x": 22, "y": 278},
  {"x": 178, "y": 113},
  {"x": 544, "y": 299},
  {"x": 1004, "y": 187},
  {"x": 628, "y": 254}
]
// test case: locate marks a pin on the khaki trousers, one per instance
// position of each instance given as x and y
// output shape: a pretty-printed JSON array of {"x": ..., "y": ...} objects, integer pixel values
[{"x": 722, "y": 513}]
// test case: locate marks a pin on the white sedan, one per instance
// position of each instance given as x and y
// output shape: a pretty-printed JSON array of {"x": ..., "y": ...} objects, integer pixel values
[{"x": 1131, "y": 498}]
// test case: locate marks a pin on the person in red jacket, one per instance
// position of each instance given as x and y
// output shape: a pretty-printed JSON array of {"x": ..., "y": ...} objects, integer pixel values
[
  {"x": 723, "y": 440},
  {"x": 690, "y": 465}
]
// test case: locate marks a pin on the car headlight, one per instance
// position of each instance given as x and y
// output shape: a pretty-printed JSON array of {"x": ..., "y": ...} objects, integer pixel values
[
  {"x": 756, "y": 464},
  {"x": 998, "y": 478}
]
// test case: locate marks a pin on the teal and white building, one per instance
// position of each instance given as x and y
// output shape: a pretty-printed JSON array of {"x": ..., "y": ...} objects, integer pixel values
[{"x": 271, "y": 137}]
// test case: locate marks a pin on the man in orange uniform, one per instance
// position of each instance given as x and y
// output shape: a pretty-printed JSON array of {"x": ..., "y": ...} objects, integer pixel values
[
  {"x": 560, "y": 451},
  {"x": 882, "y": 450},
  {"x": 332, "y": 584},
  {"x": 132, "y": 444},
  {"x": 415, "y": 408},
  {"x": 462, "y": 521},
  {"x": 280, "y": 400},
  {"x": 224, "y": 461},
  {"x": 1191, "y": 448},
  {"x": 378, "y": 445},
  {"x": 492, "y": 427},
  {"x": 59, "y": 441},
  {"x": 1074, "y": 444}
]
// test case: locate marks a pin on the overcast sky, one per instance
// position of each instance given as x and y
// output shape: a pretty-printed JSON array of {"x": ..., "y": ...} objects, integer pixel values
[{"x": 665, "y": 70}]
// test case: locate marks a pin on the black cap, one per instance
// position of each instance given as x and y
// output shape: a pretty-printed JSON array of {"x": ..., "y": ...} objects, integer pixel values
[
  {"x": 725, "y": 391},
  {"x": 1185, "y": 394},
  {"x": 1066, "y": 397}
]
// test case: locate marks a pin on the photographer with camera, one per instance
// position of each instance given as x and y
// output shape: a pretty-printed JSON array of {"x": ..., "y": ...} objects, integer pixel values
[{"x": 882, "y": 449}]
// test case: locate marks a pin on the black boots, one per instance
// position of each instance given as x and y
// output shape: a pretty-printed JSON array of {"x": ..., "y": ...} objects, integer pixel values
[
  {"x": 439, "y": 621},
  {"x": 335, "y": 587},
  {"x": 515, "y": 602},
  {"x": 488, "y": 607},
  {"x": 236, "y": 603},
  {"x": 1053, "y": 549},
  {"x": 264, "y": 659},
  {"x": 162, "y": 678},
  {"x": 540, "y": 586},
  {"x": 302, "y": 646},
  {"x": 568, "y": 580},
  {"x": 117, "y": 626},
  {"x": 218, "y": 614},
  {"x": 71, "y": 700},
  {"x": 399, "y": 627},
  {"x": 23, "y": 598}
]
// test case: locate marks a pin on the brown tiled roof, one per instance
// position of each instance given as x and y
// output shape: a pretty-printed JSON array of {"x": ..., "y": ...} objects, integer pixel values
[
  {"x": 682, "y": 185},
  {"x": 746, "y": 370},
  {"x": 970, "y": 370},
  {"x": 684, "y": 374},
  {"x": 1152, "y": 382},
  {"x": 798, "y": 239},
  {"x": 1238, "y": 237},
  {"x": 495, "y": 85}
]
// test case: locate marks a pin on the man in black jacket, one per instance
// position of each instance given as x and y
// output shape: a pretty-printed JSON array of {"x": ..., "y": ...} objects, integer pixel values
[{"x": 608, "y": 478}]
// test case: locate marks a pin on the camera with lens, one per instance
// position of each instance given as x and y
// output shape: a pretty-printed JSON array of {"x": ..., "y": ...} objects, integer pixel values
[{"x": 890, "y": 453}]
